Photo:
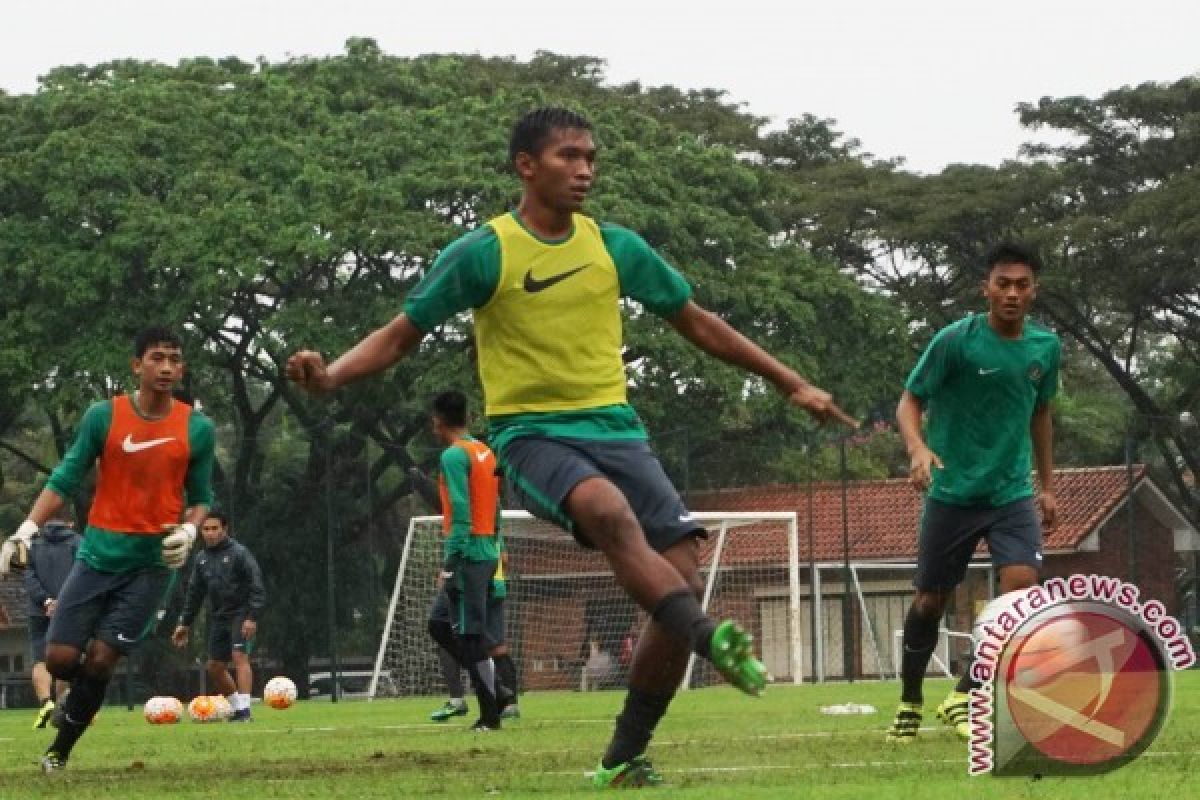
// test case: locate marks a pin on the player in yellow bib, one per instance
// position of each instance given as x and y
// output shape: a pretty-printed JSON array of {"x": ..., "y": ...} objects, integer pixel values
[{"x": 544, "y": 283}]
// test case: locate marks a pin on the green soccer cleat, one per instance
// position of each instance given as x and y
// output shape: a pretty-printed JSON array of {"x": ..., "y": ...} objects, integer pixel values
[
  {"x": 636, "y": 773},
  {"x": 906, "y": 724},
  {"x": 733, "y": 656},
  {"x": 955, "y": 711},
  {"x": 449, "y": 710},
  {"x": 43, "y": 715}
]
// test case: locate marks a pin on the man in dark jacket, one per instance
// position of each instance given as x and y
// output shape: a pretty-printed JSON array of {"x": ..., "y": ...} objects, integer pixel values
[
  {"x": 227, "y": 572},
  {"x": 50, "y": 560}
]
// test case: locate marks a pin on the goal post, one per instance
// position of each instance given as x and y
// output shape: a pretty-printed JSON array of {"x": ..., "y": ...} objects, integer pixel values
[{"x": 571, "y": 627}]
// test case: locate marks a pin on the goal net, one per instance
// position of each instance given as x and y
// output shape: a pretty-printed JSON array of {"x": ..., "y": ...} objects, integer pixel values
[{"x": 570, "y": 626}]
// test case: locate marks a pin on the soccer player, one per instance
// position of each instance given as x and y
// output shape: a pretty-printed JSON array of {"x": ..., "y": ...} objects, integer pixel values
[
  {"x": 153, "y": 489},
  {"x": 441, "y": 629},
  {"x": 544, "y": 283},
  {"x": 985, "y": 385},
  {"x": 228, "y": 573},
  {"x": 470, "y": 498},
  {"x": 50, "y": 560}
]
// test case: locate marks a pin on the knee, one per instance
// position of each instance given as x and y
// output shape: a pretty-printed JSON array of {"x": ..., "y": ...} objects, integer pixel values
[
  {"x": 609, "y": 523},
  {"x": 929, "y": 605},
  {"x": 62, "y": 662},
  {"x": 215, "y": 667}
]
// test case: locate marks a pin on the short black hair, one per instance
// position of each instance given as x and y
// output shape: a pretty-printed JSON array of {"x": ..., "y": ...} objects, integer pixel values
[
  {"x": 1013, "y": 253},
  {"x": 531, "y": 131},
  {"x": 216, "y": 513},
  {"x": 451, "y": 408},
  {"x": 155, "y": 334}
]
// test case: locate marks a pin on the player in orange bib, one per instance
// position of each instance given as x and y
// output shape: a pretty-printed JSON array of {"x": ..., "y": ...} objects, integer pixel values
[{"x": 154, "y": 458}]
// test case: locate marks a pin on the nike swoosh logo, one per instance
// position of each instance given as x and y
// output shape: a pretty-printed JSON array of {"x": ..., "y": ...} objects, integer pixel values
[
  {"x": 533, "y": 285},
  {"x": 130, "y": 446},
  {"x": 481, "y": 456},
  {"x": 983, "y": 371},
  {"x": 123, "y": 638}
]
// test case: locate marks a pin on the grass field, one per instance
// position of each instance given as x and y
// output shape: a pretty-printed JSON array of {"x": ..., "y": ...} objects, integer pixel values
[{"x": 714, "y": 743}]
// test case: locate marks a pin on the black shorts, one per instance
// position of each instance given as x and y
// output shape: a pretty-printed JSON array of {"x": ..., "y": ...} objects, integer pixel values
[
  {"x": 493, "y": 634},
  {"x": 225, "y": 636},
  {"x": 541, "y": 472},
  {"x": 38, "y": 625},
  {"x": 468, "y": 589},
  {"x": 118, "y": 608},
  {"x": 950, "y": 534}
]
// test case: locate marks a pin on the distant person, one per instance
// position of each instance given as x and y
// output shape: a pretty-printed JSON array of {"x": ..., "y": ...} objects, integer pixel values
[
  {"x": 50, "y": 561},
  {"x": 227, "y": 573}
]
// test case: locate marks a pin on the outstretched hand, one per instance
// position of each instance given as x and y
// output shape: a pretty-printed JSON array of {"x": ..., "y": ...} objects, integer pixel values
[
  {"x": 819, "y": 403},
  {"x": 307, "y": 369}
]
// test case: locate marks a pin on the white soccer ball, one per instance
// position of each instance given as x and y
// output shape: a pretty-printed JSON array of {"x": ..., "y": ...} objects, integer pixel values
[
  {"x": 224, "y": 708},
  {"x": 163, "y": 711},
  {"x": 279, "y": 693}
]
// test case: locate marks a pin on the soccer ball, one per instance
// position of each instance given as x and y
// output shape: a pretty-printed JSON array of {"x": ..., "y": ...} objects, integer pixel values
[
  {"x": 204, "y": 708},
  {"x": 163, "y": 711},
  {"x": 279, "y": 693},
  {"x": 224, "y": 709}
]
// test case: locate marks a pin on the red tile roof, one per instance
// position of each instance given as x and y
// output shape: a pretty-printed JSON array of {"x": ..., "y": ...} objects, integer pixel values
[{"x": 882, "y": 515}]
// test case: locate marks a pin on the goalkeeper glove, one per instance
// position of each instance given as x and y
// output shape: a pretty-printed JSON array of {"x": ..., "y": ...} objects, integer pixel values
[
  {"x": 177, "y": 543},
  {"x": 14, "y": 553}
]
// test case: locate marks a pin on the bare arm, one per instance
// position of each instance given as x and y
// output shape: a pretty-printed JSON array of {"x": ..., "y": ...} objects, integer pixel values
[
  {"x": 1041, "y": 431},
  {"x": 922, "y": 460},
  {"x": 379, "y": 350},
  {"x": 716, "y": 337},
  {"x": 48, "y": 503}
]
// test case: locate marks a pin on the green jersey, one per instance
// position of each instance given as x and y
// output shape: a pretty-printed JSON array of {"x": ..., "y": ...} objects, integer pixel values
[{"x": 979, "y": 391}]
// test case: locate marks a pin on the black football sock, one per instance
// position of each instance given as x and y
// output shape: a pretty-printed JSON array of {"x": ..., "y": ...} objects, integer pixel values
[
  {"x": 966, "y": 683},
  {"x": 635, "y": 726},
  {"x": 507, "y": 672},
  {"x": 680, "y": 614},
  {"x": 84, "y": 700},
  {"x": 920, "y": 638}
]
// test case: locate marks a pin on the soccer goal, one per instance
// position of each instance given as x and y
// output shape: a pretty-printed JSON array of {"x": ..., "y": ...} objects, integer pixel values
[{"x": 570, "y": 627}]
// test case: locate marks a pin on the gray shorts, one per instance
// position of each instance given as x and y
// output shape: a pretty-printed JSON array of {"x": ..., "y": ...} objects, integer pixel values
[
  {"x": 468, "y": 590},
  {"x": 493, "y": 634},
  {"x": 950, "y": 534},
  {"x": 38, "y": 625},
  {"x": 118, "y": 608},
  {"x": 541, "y": 472}
]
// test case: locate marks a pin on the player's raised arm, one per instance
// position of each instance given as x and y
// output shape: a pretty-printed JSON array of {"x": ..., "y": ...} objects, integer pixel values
[
  {"x": 379, "y": 350},
  {"x": 719, "y": 339}
]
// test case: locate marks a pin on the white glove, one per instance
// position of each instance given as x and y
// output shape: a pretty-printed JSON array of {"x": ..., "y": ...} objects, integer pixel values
[
  {"x": 177, "y": 543},
  {"x": 14, "y": 553}
]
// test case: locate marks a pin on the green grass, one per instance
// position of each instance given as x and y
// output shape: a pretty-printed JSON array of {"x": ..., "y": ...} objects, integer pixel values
[{"x": 714, "y": 743}]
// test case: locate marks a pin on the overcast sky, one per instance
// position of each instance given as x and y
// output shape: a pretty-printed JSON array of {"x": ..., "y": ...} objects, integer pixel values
[{"x": 934, "y": 81}]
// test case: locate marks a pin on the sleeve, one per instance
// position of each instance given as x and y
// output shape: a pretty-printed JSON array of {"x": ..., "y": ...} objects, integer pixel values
[
  {"x": 462, "y": 277},
  {"x": 456, "y": 470},
  {"x": 644, "y": 275},
  {"x": 87, "y": 447},
  {"x": 935, "y": 365},
  {"x": 37, "y": 591},
  {"x": 202, "y": 442},
  {"x": 1048, "y": 386},
  {"x": 258, "y": 593},
  {"x": 194, "y": 597}
]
